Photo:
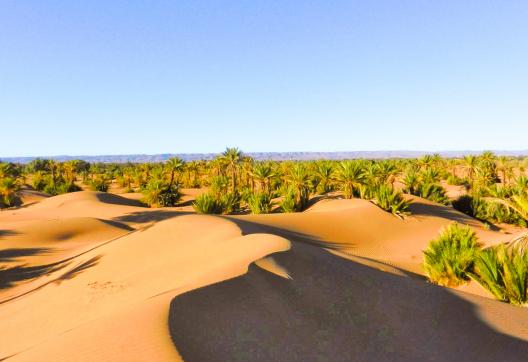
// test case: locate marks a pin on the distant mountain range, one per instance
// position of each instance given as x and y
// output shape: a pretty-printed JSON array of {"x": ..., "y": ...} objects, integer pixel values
[{"x": 276, "y": 156}]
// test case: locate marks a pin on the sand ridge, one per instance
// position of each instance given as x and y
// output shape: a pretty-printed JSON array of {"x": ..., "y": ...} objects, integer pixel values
[
  {"x": 117, "y": 266},
  {"x": 131, "y": 280}
]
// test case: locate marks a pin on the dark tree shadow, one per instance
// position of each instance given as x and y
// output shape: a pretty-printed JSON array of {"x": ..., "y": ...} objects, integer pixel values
[
  {"x": 150, "y": 216},
  {"x": 4, "y": 233},
  {"x": 334, "y": 310},
  {"x": 10, "y": 276},
  {"x": 79, "y": 269},
  {"x": 417, "y": 209},
  {"x": 114, "y": 199},
  {"x": 7, "y": 255}
]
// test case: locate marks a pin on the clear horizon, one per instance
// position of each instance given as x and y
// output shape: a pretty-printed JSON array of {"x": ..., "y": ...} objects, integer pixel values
[{"x": 133, "y": 77}]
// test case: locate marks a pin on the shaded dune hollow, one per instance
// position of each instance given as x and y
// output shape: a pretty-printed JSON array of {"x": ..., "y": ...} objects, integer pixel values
[
  {"x": 95, "y": 277},
  {"x": 337, "y": 310}
]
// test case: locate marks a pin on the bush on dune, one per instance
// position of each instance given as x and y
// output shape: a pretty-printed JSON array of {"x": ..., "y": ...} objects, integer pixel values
[
  {"x": 8, "y": 189},
  {"x": 503, "y": 271},
  {"x": 391, "y": 200},
  {"x": 207, "y": 204},
  {"x": 230, "y": 203},
  {"x": 488, "y": 209},
  {"x": 449, "y": 258},
  {"x": 157, "y": 193},
  {"x": 287, "y": 204},
  {"x": 61, "y": 188},
  {"x": 100, "y": 184},
  {"x": 260, "y": 203},
  {"x": 433, "y": 192}
]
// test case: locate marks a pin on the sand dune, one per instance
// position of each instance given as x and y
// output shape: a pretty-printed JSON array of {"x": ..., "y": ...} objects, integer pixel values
[
  {"x": 359, "y": 227},
  {"x": 338, "y": 310},
  {"x": 97, "y": 274},
  {"x": 128, "y": 281}
]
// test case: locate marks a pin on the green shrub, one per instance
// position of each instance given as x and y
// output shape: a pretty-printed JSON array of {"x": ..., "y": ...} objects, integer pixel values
[
  {"x": 391, "y": 200},
  {"x": 411, "y": 181},
  {"x": 433, "y": 192},
  {"x": 211, "y": 203},
  {"x": 230, "y": 202},
  {"x": 66, "y": 187},
  {"x": 100, "y": 184},
  {"x": 504, "y": 272},
  {"x": 449, "y": 258},
  {"x": 8, "y": 189},
  {"x": 207, "y": 204},
  {"x": 455, "y": 180},
  {"x": 368, "y": 191},
  {"x": 349, "y": 177},
  {"x": 220, "y": 185},
  {"x": 288, "y": 202},
  {"x": 158, "y": 193},
  {"x": 39, "y": 181},
  {"x": 489, "y": 211},
  {"x": 58, "y": 188},
  {"x": 260, "y": 203}
]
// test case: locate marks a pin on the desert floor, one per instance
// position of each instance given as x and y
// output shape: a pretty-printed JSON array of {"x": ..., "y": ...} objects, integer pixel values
[{"x": 97, "y": 276}]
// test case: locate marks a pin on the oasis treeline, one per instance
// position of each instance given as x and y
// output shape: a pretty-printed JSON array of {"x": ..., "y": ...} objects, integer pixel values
[{"x": 495, "y": 188}]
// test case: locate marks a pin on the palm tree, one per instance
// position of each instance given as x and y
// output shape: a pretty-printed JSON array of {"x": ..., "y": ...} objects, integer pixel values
[
  {"x": 324, "y": 171},
  {"x": 6, "y": 170},
  {"x": 145, "y": 169},
  {"x": 411, "y": 181},
  {"x": 299, "y": 180},
  {"x": 430, "y": 175},
  {"x": 350, "y": 177},
  {"x": 370, "y": 173},
  {"x": 232, "y": 157},
  {"x": 263, "y": 173},
  {"x": 173, "y": 166},
  {"x": 192, "y": 173},
  {"x": 470, "y": 164},
  {"x": 8, "y": 189},
  {"x": 488, "y": 157},
  {"x": 386, "y": 172},
  {"x": 128, "y": 177},
  {"x": 53, "y": 167},
  {"x": 427, "y": 161},
  {"x": 70, "y": 168},
  {"x": 517, "y": 203},
  {"x": 245, "y": 177}
]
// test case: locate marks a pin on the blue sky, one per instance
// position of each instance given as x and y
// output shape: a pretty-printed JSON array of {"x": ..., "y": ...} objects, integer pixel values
[{"x": 117, "y": 77}]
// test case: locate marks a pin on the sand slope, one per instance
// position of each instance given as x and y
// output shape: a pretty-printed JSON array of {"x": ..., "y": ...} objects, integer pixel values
[
  {"x": 97, "y": 274},
  {"x": 122, "y": 288},
  {"x": 338, "y": 310}
]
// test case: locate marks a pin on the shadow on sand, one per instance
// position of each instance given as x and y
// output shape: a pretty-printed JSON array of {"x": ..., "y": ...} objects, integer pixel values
[
  {"x": 109, "y": 198},
  {"x": 4, "y": 233},
  {"x": 418, "y": 209},
  {"x": 333, "y": 309},
  {"x": 79, "y": 269},
  {"x": 11, "y": 275},
  {"x": 150, "y": 216},
  {"x": 248, "y": 227}
]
